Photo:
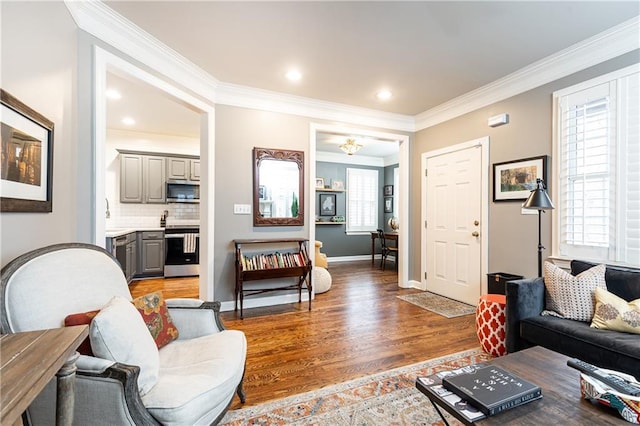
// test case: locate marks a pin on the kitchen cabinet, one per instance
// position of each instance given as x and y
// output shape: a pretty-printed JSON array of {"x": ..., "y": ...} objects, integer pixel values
[
  {"x": 151, "y": 253},
  {"x": 182, "y": 168},
  {"x": 132, "y": 259},
  {"x": 142, "y": 178}
]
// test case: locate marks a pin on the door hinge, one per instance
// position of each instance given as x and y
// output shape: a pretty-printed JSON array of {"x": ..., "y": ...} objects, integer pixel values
[
  {"x": 426, "y": 172},
  {"x": 425, "y": 223},
  {"x": 425, "y": 275}
]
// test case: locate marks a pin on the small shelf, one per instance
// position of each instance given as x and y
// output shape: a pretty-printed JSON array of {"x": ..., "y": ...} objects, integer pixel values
[
  {"x": 329, "y": 190},
  {"x": 330, "y": 223}
]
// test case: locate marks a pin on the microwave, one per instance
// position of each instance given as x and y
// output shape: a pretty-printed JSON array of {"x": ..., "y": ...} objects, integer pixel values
[{"x": 183, "y": 191}]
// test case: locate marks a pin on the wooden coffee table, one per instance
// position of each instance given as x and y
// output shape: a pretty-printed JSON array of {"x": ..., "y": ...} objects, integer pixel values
[{"x": 561, "y": 403}]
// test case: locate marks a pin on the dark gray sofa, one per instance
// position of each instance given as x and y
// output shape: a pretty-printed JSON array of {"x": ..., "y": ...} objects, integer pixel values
[{"x": 526, "y": 327}]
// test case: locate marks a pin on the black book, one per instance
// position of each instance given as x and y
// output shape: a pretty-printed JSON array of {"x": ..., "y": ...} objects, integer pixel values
[{"x": 492, "y": 389}]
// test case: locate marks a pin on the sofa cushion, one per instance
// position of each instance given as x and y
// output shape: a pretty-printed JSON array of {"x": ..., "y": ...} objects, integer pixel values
[
  {"x": 615, "y": 313},
  {"x": 119, "y": 334},
  {"x": 195, "y": 375},
  {"x": 569, "y": 296},
  {"x": 156, "y": 316},
  {"x": 623, "y": 282},
  {"x": 607, "y": 349}
]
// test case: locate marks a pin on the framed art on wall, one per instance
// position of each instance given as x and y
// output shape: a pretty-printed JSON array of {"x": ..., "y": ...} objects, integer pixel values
[
  {"x": 327, "y": 204},
  {"x": 26, "y": 172},
  {"x": 319, "y": 182},
  {"x": 388, "y": 204},
  {"x": 514, "y": 180},
  {"x": 388, "y": 190}
]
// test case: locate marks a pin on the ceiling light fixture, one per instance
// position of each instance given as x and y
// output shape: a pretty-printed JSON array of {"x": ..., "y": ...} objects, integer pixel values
[
  {"x": 294, "y": 75},
  {"x": 113, "y": 94},
  {"x": 350, "y": 147},
  {"x": 384, "y": 95},
  {"x": 128, "y": 121}
]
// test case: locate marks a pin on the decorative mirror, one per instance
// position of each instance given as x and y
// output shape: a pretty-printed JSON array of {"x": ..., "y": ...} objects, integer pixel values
[{"x": 278, "y": 187}]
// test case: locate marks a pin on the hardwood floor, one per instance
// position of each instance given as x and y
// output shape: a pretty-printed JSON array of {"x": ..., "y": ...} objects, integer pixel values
[{"x": 357, "y": 328}]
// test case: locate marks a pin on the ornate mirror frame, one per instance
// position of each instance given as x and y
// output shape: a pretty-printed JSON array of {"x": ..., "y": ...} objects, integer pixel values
[{"x": 261, "y": 154}]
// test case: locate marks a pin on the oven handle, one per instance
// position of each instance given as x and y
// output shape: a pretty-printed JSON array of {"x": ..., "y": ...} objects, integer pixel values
[{"x": 178, "y": 235}]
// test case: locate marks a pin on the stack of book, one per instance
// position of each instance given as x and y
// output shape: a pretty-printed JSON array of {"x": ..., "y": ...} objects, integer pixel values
[{"x": 272, "y": 261}]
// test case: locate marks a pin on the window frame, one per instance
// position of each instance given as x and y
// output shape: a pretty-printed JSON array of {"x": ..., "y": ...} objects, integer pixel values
[{"x": 361, "y": 229}]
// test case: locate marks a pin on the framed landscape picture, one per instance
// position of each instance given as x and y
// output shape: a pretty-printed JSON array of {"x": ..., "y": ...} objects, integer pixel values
[
  {"x": 26, "y": 171},
  {"x": 514, "y": 180}
]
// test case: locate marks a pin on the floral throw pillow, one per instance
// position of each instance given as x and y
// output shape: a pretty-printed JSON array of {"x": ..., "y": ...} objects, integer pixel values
[
  {"x": 615, "y": 313},
  {"x": 572, "y": 297},
  {"x": 154, "y": 311}
]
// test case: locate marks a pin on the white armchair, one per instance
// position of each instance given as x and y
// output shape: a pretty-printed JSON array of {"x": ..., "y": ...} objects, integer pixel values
[{"x": 198, "y": 373}]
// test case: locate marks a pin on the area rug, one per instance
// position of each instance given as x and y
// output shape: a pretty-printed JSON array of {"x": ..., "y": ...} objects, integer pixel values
[
  {"x": 385, "y": 399},
  {"x": 439, "y": 304}
]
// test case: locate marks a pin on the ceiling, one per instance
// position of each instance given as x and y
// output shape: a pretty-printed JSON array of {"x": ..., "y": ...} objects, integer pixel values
[{"x": 425, "y": 53}]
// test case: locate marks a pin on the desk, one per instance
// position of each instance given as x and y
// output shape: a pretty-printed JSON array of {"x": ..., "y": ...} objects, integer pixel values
[
  {"x": 28, "y": 362},
  {"x": 387, "y": 235}
]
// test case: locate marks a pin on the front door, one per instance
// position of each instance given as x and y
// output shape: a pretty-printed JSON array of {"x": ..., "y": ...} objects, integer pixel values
[{"x": 454, "y": 206}]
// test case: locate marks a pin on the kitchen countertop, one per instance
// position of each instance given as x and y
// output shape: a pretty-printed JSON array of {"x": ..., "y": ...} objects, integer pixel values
[{"x": 118, "y": 232}]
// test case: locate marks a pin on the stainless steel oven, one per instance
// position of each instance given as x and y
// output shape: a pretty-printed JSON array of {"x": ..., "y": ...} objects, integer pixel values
[{"x": 182, "y": 251}]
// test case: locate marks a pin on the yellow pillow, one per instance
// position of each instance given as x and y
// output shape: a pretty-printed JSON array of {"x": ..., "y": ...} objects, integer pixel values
[{"x": 615, "y": 313}]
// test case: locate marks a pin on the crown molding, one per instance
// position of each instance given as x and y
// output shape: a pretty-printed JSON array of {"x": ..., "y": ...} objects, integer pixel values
[
  {"x": 249, "y": 97},
  {"x": 359, "y": 160},
  {"x": 606, "y": 45},
  {"x": 104, "y": 23}
]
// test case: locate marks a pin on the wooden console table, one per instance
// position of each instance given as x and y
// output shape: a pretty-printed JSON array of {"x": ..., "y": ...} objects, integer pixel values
[
  {"x": 267, "y": 269},
  {"x": 29, "y": 360}
]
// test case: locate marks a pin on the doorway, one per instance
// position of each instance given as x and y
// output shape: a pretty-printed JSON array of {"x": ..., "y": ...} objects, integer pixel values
[{"x": 455, "y": 214}]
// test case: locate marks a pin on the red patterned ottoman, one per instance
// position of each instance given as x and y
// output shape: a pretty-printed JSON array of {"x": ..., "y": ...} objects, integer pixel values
[{"x": 490, "y": 319}]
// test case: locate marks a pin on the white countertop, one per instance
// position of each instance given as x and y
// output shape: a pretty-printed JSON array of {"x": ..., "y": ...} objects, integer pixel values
[{"x": 117, "y": 232}]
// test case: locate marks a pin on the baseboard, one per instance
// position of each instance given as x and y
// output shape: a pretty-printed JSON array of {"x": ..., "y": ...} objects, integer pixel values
[
  {"x": 258, "y": 302},
  {"x": 338, "y": 259}
]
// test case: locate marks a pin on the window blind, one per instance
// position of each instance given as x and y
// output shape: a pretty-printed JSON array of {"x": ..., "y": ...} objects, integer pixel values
[
  {"x": 362, "y": 200},
  {"x": 598, "y": 174}
]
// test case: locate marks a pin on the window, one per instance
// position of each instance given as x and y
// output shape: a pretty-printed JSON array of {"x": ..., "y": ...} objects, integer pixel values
[
  {"x": 362, "y": 200},
  {"x": 597, "y": 183}
]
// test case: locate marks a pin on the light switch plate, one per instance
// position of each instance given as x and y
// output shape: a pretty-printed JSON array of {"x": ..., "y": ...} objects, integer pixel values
[{"x": 242, "y": 209}]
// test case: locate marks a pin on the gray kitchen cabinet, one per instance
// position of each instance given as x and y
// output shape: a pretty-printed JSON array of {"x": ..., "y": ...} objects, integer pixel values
[
  {"x": 151, "y": 253},
  {"x": 181, "y": 168},
  {"x": 131, "y": 188},
  {"x": 132, "y": 258},
  {"x": 142, "y": 178}
]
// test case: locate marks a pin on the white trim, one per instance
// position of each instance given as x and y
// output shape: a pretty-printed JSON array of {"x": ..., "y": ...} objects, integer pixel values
[
  {"x": 340, "y": 259},
  {"x": 359, "y": 160},
  {"x": 259, "y": 302},
  {"x": 484, "y": 214},
  {"x": 601, "y": 47},
  {"x": 104, "y": 62}
]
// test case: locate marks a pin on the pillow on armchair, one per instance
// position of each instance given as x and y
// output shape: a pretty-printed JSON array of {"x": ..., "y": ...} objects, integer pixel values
[{"x": 119, "y": 334}]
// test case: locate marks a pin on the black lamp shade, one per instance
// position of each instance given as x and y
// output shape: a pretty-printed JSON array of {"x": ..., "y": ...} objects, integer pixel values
[{"x": 538, "y": 198}]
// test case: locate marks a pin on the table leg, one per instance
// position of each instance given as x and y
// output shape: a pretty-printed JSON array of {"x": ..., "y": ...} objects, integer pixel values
[
  {"x": 65, "y": 387},
  {"x": 439, "y": 412},
  {"x": 373, "y": 248}
]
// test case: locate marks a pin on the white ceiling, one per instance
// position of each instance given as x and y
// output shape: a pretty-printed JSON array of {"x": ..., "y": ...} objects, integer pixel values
[{"x": 425, "y": 53}]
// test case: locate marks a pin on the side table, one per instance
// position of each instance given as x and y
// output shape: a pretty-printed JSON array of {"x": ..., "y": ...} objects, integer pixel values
[{"x": 490, "y": 323}]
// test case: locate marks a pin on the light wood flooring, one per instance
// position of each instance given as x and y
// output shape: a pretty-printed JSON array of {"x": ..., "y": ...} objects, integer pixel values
[{"x": 359, "y": 327}]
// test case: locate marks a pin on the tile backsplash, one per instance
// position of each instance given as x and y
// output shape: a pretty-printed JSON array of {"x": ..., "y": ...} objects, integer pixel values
[{"x": 148, "y": 215}]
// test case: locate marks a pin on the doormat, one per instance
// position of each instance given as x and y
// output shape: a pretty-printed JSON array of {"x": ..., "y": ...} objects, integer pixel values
[
  {"x": 387, "y": 398},
  {"x": 439, "y": 304}
]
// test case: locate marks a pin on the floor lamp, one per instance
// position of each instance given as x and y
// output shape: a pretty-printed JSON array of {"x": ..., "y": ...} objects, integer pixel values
[{"x": 539, "y": 200}]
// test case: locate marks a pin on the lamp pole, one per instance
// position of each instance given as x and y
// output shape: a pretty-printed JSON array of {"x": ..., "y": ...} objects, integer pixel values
[
  {"x": 540, "y": 246},
  {"x": 539, "y": 200}
]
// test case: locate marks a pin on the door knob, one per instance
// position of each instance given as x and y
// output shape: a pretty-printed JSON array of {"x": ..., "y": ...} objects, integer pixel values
[
  {"x": 476, "y": 223},
  {"x": 475, "y": 233}
]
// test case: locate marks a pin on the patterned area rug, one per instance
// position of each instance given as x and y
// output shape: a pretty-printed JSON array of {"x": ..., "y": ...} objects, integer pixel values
[
  {"x": 439, "y": 304},
  {"x": 388, "y": 398}
]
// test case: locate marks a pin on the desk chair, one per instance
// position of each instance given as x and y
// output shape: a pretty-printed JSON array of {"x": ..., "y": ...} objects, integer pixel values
[{"x": 386, "y": 250}]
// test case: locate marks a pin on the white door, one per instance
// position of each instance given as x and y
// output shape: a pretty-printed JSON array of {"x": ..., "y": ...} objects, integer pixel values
[{"x": 453, "y": 212}]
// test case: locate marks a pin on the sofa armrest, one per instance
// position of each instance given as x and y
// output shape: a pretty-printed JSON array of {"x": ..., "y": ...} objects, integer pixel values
[
  {"x": 525, "y": 299},
  {"x": 194, "y": 318}
]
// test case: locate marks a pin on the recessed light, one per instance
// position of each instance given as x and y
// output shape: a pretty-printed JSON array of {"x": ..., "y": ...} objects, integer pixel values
[
  {"x": 113, "y": 94},
  {"x": 383, "y": 95},
  {"x": 128, "y": 121},
  {"x": 294, "y": 75}
]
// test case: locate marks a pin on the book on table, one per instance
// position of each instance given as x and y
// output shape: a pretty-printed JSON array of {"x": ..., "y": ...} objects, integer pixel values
[
  {"x": 444, "y": 397},
  {"x": 492, "y": 389}
]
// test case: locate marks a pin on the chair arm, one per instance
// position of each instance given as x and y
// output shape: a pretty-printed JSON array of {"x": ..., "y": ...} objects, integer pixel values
[
  {"x": 92, "y": 364},
  {"x": 525, "y": 299},
  {"x": 195, "y": 318}
]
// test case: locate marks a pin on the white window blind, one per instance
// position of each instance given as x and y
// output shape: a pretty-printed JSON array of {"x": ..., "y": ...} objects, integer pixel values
[
  {"x": 362, "y": 200},
  {"x": 598, "y": 179}
]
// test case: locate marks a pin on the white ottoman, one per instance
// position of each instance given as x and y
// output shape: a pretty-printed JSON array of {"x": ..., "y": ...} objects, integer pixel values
[{"x": 321, "y": 279}]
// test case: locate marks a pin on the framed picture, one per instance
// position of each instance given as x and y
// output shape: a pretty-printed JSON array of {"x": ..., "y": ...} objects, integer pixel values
[
  {"x": 26, "y": 172},
  {"x": 514, "y": 180},
  {"x": 388, "y": 190},
  {"x": 388, "y": 204},
  {"x": 320, "y": 182},
  {"x": 327, "y": 204},
  {"x": 338, "y": 185}
]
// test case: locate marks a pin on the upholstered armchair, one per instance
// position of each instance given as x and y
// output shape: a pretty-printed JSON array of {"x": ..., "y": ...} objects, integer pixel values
[{"x": 190, "y": 381}]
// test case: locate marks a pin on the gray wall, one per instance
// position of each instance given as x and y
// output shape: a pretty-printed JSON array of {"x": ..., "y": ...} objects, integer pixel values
[
  {"x": 388, "y": 180},
  {"x": 39, "y": 64},
  {"x": 513, "y": 237}
]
